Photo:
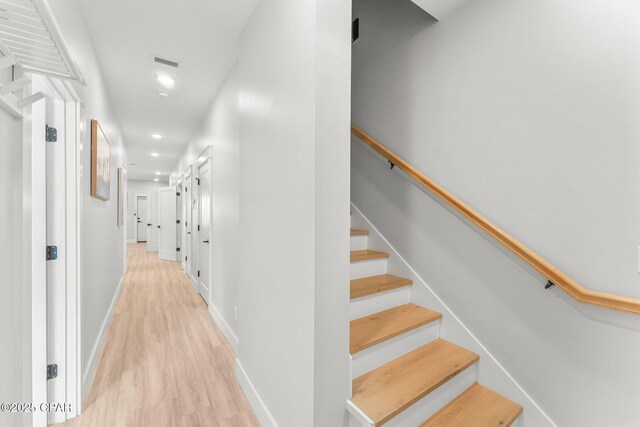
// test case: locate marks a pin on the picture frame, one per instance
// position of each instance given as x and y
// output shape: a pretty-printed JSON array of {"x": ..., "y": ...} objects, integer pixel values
[
  {"x": 122, "y": 194},
  {"x": 100, "y": 163}
]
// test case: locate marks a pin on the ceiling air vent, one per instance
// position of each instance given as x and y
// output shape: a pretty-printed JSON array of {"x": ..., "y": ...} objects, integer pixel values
[{"x": 166, "y": 62}]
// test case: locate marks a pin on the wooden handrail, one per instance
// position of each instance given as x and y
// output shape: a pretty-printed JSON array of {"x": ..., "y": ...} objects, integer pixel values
[{"x": 614, "y": 302}]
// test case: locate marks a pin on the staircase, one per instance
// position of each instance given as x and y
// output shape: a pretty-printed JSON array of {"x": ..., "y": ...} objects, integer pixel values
[{"x": 403, "y": 372}]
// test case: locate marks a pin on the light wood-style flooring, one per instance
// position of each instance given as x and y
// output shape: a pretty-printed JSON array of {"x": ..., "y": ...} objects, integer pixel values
[{"x": 164, "y": 361}]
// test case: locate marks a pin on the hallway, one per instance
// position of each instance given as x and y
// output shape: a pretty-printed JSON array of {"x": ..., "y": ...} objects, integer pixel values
[{"x": 164, "y": 361}]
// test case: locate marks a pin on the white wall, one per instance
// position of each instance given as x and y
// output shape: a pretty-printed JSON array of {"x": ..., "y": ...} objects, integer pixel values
[
  {"x": 289, "y": 249},
  {"x": 220, "y": 130},
  {"x": 332, "y": 163},
  {"x": 527, "y": 111},
  {"x": 103, "y": 242},
  {"x": 151, "y": 189},
  {"x": 11, "y": 283}
]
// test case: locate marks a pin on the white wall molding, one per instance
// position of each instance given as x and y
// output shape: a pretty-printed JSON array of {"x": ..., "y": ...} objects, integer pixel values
[
  {"x": 89, "y": 372},
  {"x": 256, "y": 402},
  {"x": 225, "y": 328},
  {"x": 485, "y": 356}
]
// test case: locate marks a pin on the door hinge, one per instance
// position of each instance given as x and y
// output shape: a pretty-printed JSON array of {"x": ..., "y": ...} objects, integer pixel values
[
  {"x": 52, "y": 371},
  {"x": 185, "y": 258},
  {"x": 178, "y": 194},
  {"x": 198, "y": 181},
  {"x": 51, "y": 134},
  {"x": 355, "y": 30},
  {"x": 198, "y": 273},
  {"x": 177, "y": 221},
  {"x": 177, "y": 249},
  {"x": 185, "y": 223},
  {"x": 52, "y": 253},
  {"x": 158, "y": 226},
  {"x": 186, "y": 189}
]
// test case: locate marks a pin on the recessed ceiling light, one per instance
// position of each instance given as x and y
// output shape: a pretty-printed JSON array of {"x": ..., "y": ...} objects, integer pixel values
[
  {"x": 156, "y": 136},
  {"x": 154, "y": 154},
  {"x": 166, "y": 81},
  {"x": 156, "y": 179},
  {"x": 163, "y": 93},
  {"x": 157, "y": 173}
]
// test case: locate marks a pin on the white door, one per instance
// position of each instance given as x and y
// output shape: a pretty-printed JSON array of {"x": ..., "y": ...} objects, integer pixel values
[
  {"x": 56, "y": 272},
  {"x": 167, "y": 222},
  {"x": 204, "y": 236},
  {"x": 179, "y": 221},
  {"x": 186, "y": 216},
  {"x": 142, "y": 218}
]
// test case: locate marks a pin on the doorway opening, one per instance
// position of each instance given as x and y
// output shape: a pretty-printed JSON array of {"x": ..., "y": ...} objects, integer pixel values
[{"x": 141, "y": 215}]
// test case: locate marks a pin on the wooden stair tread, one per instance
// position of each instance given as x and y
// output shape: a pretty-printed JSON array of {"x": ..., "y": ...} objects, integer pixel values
[
  {"x": 356, "y": 232},
  {"x": 477, "y": 406},
  {"x": 376, "y": 328},
  {"x": 365, "y": 254},
  {"x": 388, "y": 390},
  {"x": 374, "y": 284}
]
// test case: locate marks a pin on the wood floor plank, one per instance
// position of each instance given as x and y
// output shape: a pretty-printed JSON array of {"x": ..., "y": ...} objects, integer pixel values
[
  {"x": 477, "y": 406},
  {"x": 388, "y": 390},
  {"x": 164, "y": 361},
  {"x": 375, "y": 284},
  {"x": 378, "y": 327}
]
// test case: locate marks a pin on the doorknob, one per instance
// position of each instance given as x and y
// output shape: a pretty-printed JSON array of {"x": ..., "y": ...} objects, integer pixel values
[{"x": 205, "y": 241}]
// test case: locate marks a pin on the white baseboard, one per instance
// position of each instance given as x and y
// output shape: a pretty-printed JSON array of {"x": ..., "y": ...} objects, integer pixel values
[
  {"x": 256, "y": 402},
  {"x": 224, "y": 327},
  {"x": 89, "y": 372},
  {"x": 152, "y": 248},
  {"x": 131, "y": 241}
]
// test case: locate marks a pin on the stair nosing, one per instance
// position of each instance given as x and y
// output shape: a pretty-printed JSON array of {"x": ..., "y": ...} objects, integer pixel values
[
  {"x": 430, "y": 316},
  {"x": 423, "y": 393},
  {"x": 472, "y": 389},
  {"x": 358, "y": 232},
  {"x": 374, "y": 255},
  {"x": 395, "y": 282}
]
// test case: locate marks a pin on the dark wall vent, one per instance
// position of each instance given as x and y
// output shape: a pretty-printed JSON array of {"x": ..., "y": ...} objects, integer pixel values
[{"x": 165, "y": 61}]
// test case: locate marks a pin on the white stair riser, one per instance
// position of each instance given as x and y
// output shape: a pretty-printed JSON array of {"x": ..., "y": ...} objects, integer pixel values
[
  {"x": 420, "y": 411},
  {"x": 386, "y": 351},
  {"x": 359, "y": 242},
  {"x": 370, "y": 304},
  {"x": 368, "y": 268}
]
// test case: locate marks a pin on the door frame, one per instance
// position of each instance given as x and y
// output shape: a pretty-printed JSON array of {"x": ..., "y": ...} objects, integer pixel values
[
  {"x": 201, "y": 160},
  {"x": 179, "y": 221},
  {"x": 188, "y": 218},
  {"x": 34, "y": 211},
  {"x": 135, "y": 211}
]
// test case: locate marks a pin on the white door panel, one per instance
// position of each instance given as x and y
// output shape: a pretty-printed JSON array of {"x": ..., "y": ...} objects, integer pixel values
[
  {"x": 167, "y": 222},
  {"x": 142, "y": 218},
  {"x": 204, "y": 236}
]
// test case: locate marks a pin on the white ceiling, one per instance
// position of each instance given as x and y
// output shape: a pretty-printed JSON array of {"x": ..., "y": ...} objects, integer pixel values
[{"x": 202, "y": 35}]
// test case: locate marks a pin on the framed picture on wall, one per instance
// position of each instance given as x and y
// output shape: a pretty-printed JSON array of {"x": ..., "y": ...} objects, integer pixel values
[
  {"x": 100, "y": 163},
  {"x": 122, "y": 194}
]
